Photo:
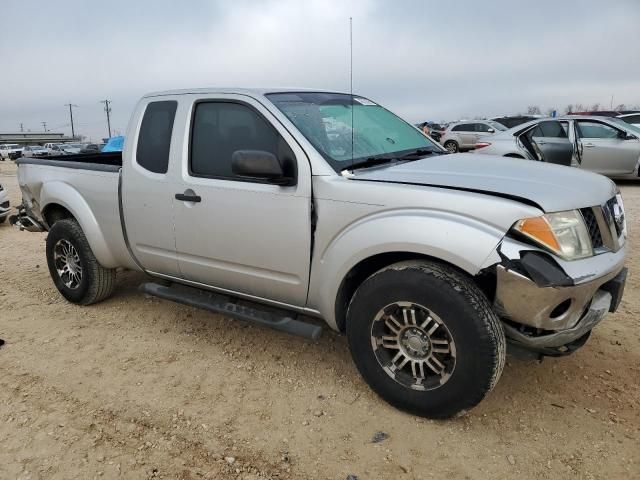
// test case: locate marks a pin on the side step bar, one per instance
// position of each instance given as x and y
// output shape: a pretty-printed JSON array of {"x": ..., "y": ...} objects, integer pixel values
[{"x": 276, "y": 319}]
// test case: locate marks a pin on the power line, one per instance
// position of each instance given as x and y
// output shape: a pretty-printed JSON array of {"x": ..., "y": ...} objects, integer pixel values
[
  {"x": 107, "y": 109},
  {"x": 71, "y": 105}
]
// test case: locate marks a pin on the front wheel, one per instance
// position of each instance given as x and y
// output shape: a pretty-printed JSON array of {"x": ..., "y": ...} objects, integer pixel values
[
  {"x": 425, "y": 339},
  {"x": 73, "y": 267}
]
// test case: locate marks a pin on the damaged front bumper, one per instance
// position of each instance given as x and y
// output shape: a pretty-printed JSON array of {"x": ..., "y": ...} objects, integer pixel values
[{"x": 549, "y": 305}]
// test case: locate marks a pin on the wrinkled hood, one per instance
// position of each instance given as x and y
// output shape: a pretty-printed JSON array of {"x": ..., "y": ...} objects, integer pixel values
[{"x": 551, "y": 187}]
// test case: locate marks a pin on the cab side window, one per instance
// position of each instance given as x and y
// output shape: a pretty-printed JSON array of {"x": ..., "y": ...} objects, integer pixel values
[
  {"x": 154, "y": 138},
  {"x": 221, "y": 128}
]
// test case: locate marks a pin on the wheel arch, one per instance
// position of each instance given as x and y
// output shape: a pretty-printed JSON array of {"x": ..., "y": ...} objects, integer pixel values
[
  {"x": 367, "y": 267},
  {"x": 61, "y": 201},
  {"x": 463, "y": 243}
]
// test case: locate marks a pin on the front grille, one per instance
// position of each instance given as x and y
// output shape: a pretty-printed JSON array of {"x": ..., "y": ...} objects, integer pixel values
[
  {"x": 610, "y": 208},
  {"x": 592, "y": 227}
]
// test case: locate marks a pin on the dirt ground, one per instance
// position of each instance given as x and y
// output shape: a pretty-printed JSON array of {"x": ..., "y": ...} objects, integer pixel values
[{"x": 136, "y": 387}]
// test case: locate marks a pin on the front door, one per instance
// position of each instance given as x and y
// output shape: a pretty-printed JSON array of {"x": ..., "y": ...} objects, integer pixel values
[
  {"x": 604, "y": 148},
  {"x": 241, "y": 235}
]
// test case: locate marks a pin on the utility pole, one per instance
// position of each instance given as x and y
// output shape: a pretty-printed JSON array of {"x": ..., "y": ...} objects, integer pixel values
[
  {"x": 44, "y": 125},
  {"x": 71, "y": 105},
  {"x": 107, "y": 109},
  {"x": 21, "y": 128}
]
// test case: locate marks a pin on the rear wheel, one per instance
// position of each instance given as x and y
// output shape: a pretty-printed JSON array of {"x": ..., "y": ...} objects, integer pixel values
[
  {"x": 73, "y": 268},
  {"x": 451, "y": 146},
  {"x": 425, "y": 339}
]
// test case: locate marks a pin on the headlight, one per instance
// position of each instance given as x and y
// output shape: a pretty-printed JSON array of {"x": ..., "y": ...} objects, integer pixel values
[{"x": 564, "y": 233}]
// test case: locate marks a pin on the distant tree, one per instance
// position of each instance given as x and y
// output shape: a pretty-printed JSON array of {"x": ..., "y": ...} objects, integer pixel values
[
  {"x": 533, "y": 110},
  {"x": 622, "y": 106},
  {"x": 578, "y": 107},
  {"x": 595, "y": 107},
  {"x": 568, "y": 108}
]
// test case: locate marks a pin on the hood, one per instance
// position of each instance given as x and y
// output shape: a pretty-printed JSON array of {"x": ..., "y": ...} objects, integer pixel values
[{"x": 552, "y": 188}]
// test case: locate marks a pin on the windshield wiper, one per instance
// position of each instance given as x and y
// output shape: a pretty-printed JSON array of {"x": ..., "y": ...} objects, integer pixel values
[
  {"x": 417, "y": 153},
  {"x": 371, "y": 162},
  {"x": 380, "y": 159}
]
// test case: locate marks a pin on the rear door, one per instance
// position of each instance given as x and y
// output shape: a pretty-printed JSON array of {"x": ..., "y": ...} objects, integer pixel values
[
  {"x": 551, "y": 141},
  {"x": 244, "y": 236},
  {"x": 604, "y": 149},
  {"x": 147, "y": 190}
]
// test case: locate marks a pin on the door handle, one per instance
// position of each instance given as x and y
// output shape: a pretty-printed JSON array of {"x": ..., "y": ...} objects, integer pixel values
[
  {"x": 589, "y": 145},
  {"x": 188, "y": 198}
]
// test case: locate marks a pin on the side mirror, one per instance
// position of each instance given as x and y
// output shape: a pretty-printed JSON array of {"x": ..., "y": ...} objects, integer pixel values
[
  {"x": 491, "y": 130},
  {"x": 259, "y": 165}
]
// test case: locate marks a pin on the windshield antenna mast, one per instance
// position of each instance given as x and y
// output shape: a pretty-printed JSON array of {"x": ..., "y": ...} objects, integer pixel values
[{"x": 351, "y": 80}]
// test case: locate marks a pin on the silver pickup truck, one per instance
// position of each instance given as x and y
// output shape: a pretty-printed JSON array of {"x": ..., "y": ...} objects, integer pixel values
[{"x": 278, "y": 206}]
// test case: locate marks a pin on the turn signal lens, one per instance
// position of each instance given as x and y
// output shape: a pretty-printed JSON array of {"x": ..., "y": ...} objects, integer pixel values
[
  {"x": 538, "y": 229},
  {"x": 564, "y": 233}
]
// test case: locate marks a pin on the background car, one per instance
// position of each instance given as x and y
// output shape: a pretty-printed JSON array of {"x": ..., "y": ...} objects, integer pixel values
[
  {"x": 35, "y": 151},
  {"x": 631, "y": 118},
  {"x": 434, "y": 130},
  {"x": 603, "y": 145},
  {"x": 5, "y": 208},
  {"x": 8, "y": 148},
  {"x": 461, "y": 136},
  {"x": 92, "y": 148},
  {"x": 510, "y": 121}
]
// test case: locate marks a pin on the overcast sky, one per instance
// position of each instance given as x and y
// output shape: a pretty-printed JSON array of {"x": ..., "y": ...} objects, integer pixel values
[{"x": 426, "y": 60}]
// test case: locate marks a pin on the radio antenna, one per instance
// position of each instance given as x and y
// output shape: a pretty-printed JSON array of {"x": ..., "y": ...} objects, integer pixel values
[{"x": 351, "y": 82}]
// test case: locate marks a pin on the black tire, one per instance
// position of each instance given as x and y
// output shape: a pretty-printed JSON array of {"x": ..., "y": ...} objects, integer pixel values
[
  {"x": 452, "y": 146},
  {"x": 95, "y": 282},
  {"x": 477, "y": 348}
]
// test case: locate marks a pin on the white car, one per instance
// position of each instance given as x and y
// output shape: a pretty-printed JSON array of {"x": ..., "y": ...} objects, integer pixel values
[
  {"x": 603, "y": 145},
  {"x": 631, "y": 118},
  {"x": 462, "y": 136},
  {"x": 4, "y": 205},
  {"x": 8, "y": 148},
  {"x": 35, "y": 151}
]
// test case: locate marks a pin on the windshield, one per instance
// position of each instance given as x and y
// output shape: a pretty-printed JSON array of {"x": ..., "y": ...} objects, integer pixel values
[
  {"x": 326, "y": 119},
  {"x": 625, "y": 125}
]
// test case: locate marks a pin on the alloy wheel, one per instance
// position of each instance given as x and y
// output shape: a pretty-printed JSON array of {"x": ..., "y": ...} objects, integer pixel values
[{"x": 413, "y": 346}]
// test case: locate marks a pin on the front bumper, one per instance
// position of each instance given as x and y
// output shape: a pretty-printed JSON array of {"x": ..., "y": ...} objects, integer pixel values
[{"x": 547, "y": 303}]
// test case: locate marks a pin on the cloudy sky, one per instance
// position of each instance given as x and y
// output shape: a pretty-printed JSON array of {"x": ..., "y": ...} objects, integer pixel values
[{"x": 426, "y": 60}]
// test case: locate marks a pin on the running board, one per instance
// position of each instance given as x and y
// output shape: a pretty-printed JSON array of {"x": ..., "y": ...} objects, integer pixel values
[{"x": 272, "y": 318}]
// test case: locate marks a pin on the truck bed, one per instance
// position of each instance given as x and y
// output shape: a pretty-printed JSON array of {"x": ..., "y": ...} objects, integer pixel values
[{"x": 103, "y": 162}]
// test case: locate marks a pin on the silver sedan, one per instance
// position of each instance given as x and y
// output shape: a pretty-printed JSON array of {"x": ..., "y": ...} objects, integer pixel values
[{"x": 604, "y": 145}]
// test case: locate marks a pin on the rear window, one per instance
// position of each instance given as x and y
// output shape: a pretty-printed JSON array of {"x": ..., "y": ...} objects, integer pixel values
[
  {"x": 465, "y": 127},
  {"x": 154, "y": 139}
]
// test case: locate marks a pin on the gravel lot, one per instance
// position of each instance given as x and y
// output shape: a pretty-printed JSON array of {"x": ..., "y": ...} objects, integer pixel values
[{"x": 136, "y": 387}]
